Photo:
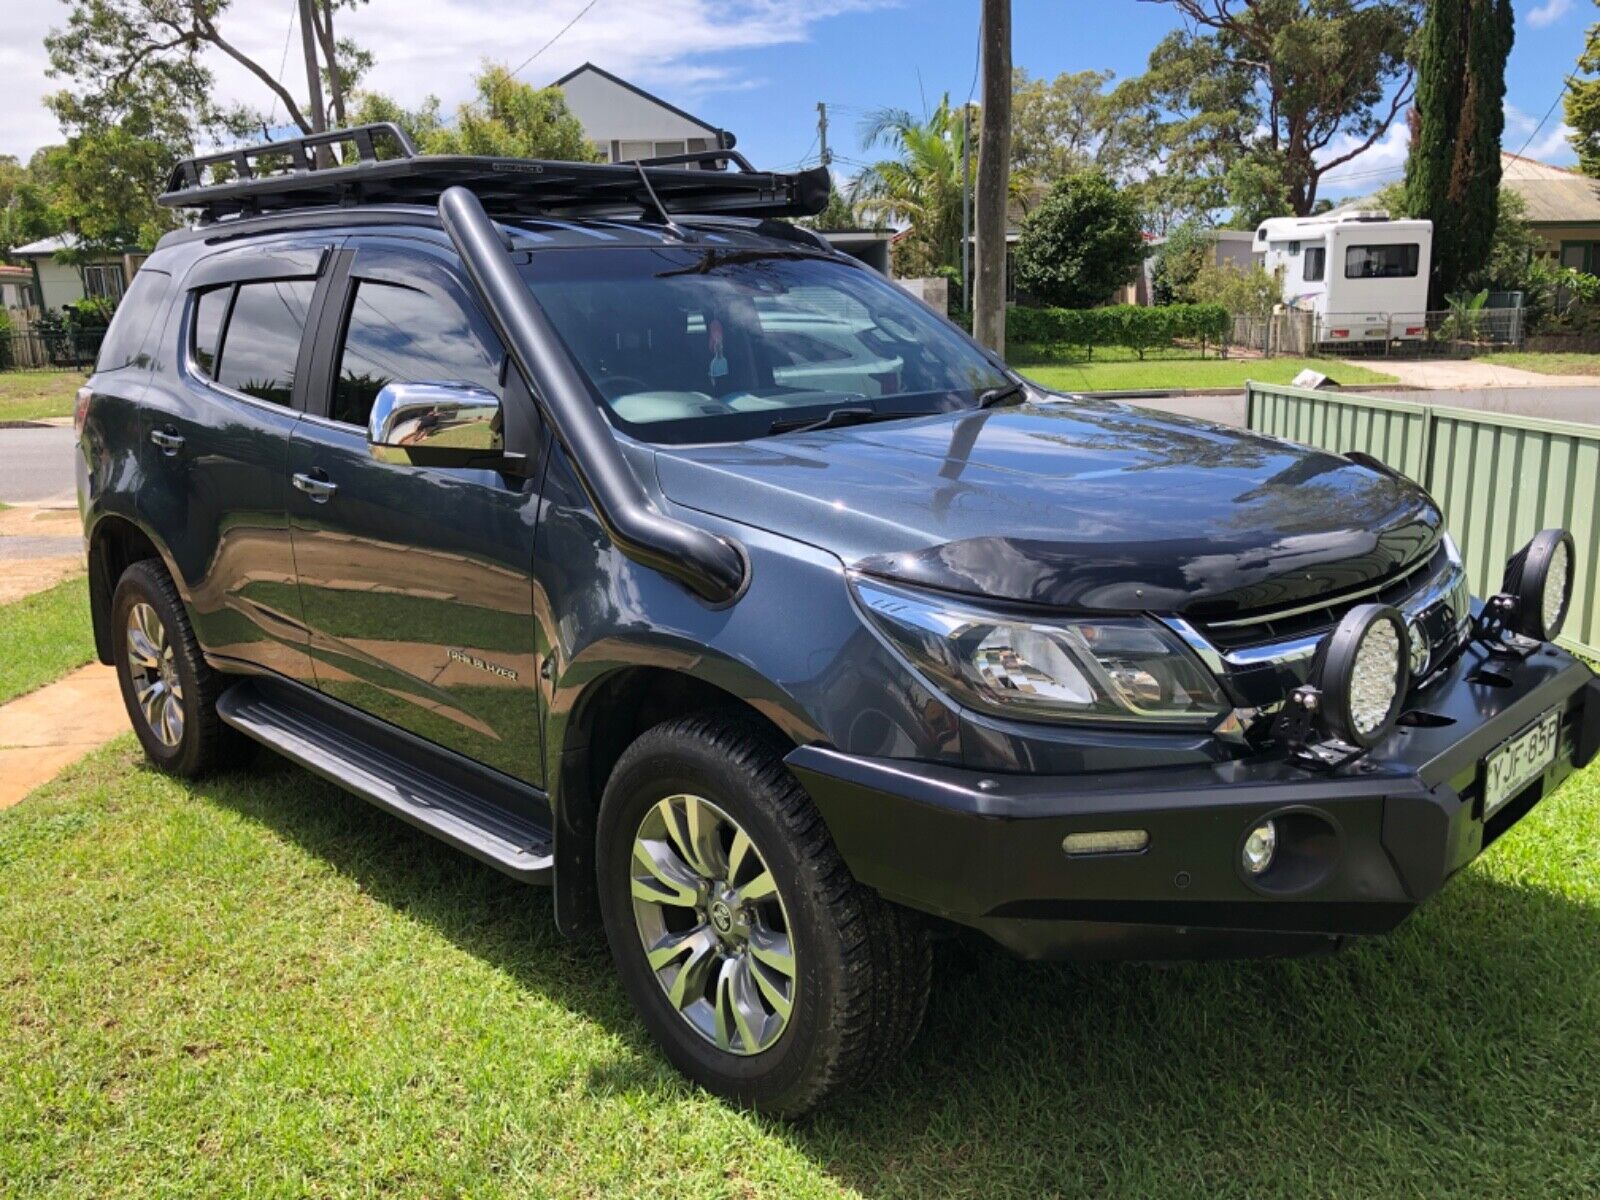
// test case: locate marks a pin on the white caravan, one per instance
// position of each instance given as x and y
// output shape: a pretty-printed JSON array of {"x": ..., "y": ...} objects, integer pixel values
[{"x": 1364, "y": 275}]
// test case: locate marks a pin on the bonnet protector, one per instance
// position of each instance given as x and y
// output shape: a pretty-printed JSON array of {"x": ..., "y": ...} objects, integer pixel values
[{"x": 712, "y": 567}]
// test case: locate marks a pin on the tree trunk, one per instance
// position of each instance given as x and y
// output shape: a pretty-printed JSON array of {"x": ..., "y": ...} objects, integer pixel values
[
  {"x": 994, "y": 170},
  {"x": 319, "y": 116},
  {"x": 330, "y": 53}
]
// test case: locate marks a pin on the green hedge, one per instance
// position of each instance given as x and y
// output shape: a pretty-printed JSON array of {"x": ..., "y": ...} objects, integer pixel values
[{"x": 1137, "y": 327}]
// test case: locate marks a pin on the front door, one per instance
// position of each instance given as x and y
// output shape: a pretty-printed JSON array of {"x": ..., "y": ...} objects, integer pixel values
[{"x": 416, "y": 582}]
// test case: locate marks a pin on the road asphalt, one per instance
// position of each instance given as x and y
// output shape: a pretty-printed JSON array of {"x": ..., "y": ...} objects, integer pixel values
[{"x": 36, "y": 465}]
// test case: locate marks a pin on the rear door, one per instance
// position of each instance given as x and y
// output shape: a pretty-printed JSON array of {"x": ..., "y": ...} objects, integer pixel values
[
  {"x": 217, "y": 419},
  {"x": 416, "y": 582}
]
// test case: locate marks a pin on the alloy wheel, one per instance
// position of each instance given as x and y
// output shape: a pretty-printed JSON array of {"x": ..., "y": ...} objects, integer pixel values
[
  {"x": 713, "y": 925},
  {"x": 154, "y": 672}
]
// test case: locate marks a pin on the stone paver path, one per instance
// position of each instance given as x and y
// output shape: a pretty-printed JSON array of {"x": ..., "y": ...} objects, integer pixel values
[{"x": 44, "y": 731}]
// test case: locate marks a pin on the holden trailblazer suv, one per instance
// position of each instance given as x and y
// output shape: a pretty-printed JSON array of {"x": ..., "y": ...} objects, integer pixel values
[{"x": 632, "y": 540}]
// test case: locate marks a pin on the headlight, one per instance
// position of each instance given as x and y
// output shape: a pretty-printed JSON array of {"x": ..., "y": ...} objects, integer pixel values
[{"x": 1110, "y": 669}]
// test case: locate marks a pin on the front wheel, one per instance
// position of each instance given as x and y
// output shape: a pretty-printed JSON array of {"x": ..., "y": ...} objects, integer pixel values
[{"x": 764, "y": 971}]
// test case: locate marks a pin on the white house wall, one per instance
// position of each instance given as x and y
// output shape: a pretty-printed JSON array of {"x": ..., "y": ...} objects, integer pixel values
[{"x": 611, "y": 113}]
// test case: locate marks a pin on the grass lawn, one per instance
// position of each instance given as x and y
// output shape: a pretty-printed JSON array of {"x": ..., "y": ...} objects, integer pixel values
[
  {"x": 259, "y": 985},
  {"x": 31, "y": 395},
  {"x": 1547, "y": 364},
  {"x": 1114, "y": 369},
  {"x": 44, "y": 636}
]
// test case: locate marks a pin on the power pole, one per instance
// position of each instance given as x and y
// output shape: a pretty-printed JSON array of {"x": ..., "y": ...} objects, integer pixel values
[
  {"x": 319, "y": 119},
  {"x": 822, "y": 131},
  {"x": 994, "y": 171},
  {"x": 966, "y": 205}
]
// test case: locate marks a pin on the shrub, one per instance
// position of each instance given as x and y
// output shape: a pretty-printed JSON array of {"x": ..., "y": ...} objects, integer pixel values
[
  {"x": 1136, "y": 327},
  {"x": 1081, "y": 244}
]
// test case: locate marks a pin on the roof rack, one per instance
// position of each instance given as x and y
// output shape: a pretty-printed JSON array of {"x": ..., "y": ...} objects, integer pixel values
[{"x": 377, "y": 164}]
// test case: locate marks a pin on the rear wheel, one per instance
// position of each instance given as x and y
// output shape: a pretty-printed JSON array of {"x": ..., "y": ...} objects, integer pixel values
[
  {"x": 167, "y": 686},
  {"x": 759, "y": 965}
]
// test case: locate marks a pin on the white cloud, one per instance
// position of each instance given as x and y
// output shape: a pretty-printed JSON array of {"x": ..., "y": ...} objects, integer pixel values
[
  {"x": 1549, "y": 144},
  {"x": 685, "y": 49},
  {"x": 1382, "y": 162},
  {"x": 1549, "y": 13}
]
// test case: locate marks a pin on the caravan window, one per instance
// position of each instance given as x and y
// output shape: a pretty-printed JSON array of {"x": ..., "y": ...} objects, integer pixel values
[
  {"x": 1315, "y": 264},
  {"x": 1382, "y": 262}
]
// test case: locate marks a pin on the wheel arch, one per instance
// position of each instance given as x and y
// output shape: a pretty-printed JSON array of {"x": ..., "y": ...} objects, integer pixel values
[
  {"x": 115, "y": 543},
  {"x": 603, "y": 717}
]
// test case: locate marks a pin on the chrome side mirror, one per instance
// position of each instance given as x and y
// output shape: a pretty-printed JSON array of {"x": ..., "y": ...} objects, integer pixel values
[{"x": 436, "y": 425}]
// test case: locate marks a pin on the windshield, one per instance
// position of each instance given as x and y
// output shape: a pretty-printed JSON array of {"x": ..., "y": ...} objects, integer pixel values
[{"x": 691, "y": 344}]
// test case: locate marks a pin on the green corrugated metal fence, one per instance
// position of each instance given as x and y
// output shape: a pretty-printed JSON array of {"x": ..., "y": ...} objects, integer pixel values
[{"x": 1499, "y": 479}]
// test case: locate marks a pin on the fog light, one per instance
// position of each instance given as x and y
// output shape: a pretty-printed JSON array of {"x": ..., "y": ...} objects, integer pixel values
[
  {"x": 1106, "y": 841},
  {"x": 1260, "y": 846}
]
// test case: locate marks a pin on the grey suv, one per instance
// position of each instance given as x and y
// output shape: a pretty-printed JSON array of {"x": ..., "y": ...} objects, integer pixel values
[{"x": 635, "y": 542}]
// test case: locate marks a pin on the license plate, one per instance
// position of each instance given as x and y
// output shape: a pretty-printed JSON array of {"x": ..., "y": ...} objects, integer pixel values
[{"x": 1520, "y": 761}]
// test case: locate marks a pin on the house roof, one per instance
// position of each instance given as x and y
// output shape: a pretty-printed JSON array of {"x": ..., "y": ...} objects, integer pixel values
[
  {"x": 725, "y": 138},
  {"x": 1552, "y": 195},
  {"x": 7, "y": 271},
  {"x": 45, "y": 247}
]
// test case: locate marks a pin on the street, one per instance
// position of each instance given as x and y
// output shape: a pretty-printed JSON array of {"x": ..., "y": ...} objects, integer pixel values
[{"x": 36, "y": 465}]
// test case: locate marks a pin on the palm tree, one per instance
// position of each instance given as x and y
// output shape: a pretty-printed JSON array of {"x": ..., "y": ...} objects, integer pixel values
[{"x": 920, "y": 184}]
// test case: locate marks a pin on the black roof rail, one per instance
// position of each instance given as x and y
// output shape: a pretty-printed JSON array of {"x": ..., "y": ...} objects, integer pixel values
[{"x": 282, "y": 176}]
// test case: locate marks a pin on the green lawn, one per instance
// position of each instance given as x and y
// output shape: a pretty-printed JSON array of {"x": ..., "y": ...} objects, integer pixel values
[
  {"x": 44, "y": 636},
  {"x": 32, "y": 395},
  {"x": 262, "y": 986},
  {"x": 1547, "y": 364},
  {"x": 1114, "y": 369}
]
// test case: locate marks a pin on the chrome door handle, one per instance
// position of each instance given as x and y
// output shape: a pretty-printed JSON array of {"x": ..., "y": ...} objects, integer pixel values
[
  {"x": 170, "y": 443},
  {"x": 320, "y": 490}
]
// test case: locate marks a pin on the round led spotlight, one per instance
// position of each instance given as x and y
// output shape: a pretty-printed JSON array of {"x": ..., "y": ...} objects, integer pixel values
[
  {"x": 1365, "y": 674},
  {"x": 1540, "y": 577}
]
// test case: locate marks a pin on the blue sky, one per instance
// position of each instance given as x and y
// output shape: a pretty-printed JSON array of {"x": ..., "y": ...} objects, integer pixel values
[{"x": 759, "y": 67}]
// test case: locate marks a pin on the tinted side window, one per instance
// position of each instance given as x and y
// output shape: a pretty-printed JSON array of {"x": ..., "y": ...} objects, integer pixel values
[
  {"x": 125, "y": 340},
  {"x": 1316, "y": 264},
  {"x": 209, "y": 310},
  {"x": 400, "y": 335},
  {"x": 1381, "y": 262},
  {"x": 262, "y": 341}
]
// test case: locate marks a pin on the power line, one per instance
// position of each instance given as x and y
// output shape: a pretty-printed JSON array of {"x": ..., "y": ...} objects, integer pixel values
[
  {"x": 283, "y": 61},
  {"x": 1565, "y": 84},
  {"x": 581, "y": 14}
]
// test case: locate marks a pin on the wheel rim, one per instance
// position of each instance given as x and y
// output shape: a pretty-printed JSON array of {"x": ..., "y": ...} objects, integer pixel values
[
  {"x": 713, "y": 925},
  {"x": 154, "y": 671}
]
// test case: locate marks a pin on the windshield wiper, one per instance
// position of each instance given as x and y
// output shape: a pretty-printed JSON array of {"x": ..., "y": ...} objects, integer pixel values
[
  {"x": 999, "y": 395},
  {"x": 836, "y": 418}
]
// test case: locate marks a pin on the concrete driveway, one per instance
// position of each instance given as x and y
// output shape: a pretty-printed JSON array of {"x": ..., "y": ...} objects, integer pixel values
[{"x": 1473, "y": 374}]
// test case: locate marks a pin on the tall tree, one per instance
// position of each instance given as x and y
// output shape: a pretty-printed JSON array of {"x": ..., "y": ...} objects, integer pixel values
[
  {"x": 507, "y": 119},
  {"x": 1067, "y": 124},
  {"x": 1278, "y": 90},
  {"x": 994, "y": 176},
  {"x": 1583, "y": 104},
  {"x": 919, "y": 183},
  {"x": 1453, "y": 172}
]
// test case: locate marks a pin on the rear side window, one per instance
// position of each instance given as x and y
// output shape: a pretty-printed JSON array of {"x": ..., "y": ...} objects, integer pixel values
[
  {"x": 1316, "y": 264},
  {"x": 126, "y": 342},
  {"x": 209, "y": 310},
  {"x": 257, "y": 336},
  {"x": 400, "y": 335},
  {"x": 1382, "y": 262}
]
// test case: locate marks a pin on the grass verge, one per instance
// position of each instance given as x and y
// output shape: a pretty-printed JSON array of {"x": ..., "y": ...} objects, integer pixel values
[
  {"x": 1115, "y": 370},
  {"x": 1547, "y": 363},
  {"x": 34, "y": 395},
  {"x": 44, "y": 636},
  {"x": 259, "y": 985}
]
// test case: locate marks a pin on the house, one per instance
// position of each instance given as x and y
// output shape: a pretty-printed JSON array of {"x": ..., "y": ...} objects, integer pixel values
[
  {"x": 626, "y": 122},
  {"x": 56, "y": 283},
  {"x": 16, "y": 287},
  {"x": 1563, "y": 206}
]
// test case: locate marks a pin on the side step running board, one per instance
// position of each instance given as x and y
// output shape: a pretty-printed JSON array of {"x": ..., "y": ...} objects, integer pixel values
[{"x": 473, "y": 809}]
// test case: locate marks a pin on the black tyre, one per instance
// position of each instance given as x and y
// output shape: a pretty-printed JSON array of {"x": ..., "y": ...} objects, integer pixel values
[
  {"x": 764, "y": 971},
  {"x": 169, "y": 689}
]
